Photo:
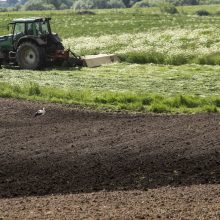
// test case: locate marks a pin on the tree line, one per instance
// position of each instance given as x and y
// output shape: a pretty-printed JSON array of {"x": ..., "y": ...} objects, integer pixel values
[{"x": 95, "y": 4}]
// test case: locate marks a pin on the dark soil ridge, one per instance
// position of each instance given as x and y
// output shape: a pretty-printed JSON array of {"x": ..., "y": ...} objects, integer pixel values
[{"x": 71, "y": 150}]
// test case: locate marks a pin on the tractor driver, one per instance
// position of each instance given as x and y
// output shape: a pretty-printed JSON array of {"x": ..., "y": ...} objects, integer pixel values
[{"x": 30, "y": 29}]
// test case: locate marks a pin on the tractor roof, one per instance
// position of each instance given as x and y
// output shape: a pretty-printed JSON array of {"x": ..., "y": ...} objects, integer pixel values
[{"x": 28, "y": 20}]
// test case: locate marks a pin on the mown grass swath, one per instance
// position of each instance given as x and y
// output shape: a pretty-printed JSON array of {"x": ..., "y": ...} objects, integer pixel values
[{"x": 198, "y": 80}]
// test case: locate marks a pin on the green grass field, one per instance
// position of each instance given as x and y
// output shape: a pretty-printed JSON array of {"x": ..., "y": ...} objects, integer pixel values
[{"x": 170, "y": 63}]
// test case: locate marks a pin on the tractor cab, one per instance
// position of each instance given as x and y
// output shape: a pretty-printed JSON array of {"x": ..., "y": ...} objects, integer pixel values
[{"x": 30, "y": 28}]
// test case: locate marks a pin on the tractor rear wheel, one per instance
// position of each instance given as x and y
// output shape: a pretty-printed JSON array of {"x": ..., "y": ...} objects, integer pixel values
[{"x": 30, "y": 56}]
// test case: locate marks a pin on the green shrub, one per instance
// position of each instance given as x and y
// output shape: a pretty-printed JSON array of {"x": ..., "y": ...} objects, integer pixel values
[
  {"x": 63, "y": 6},
  {"x": 85, "y": 12},
  {"x": 202, "y": 12},
  {"x": 3, "y": 9},
  {"x": 168, "y": 8},
  {"x": 38, "y": 6},
  {"x": 141, "y": 4}
]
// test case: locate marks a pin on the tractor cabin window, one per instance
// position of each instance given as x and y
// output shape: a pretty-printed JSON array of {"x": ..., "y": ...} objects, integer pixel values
[
  {"x": 19, "y": 30},
  {"x": 41, "y": 28},
  {"x": 30, "y": 29},
  {"x": 44, "y": 27},
  {"x": 37, "y": 28}
]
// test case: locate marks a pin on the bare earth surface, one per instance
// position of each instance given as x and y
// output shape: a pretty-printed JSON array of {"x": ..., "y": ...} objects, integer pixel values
[{"x": 79, "y": 164}]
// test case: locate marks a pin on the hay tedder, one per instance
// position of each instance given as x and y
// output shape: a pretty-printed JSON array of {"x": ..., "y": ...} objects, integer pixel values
[{"x": 32, "y": 45}]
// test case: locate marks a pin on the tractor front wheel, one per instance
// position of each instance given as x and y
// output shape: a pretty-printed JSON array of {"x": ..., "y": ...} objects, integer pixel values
[{"x": 29, "y": 56}]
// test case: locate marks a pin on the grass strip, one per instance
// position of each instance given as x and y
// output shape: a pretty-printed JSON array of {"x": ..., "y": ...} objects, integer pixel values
[{"x": 113, "y": 100}]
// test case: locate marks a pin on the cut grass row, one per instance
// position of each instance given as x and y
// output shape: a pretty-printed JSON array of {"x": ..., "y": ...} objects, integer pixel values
[{"x": 166, "y": 80}]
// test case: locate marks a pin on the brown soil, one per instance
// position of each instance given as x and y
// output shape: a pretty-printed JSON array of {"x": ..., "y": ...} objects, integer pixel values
[{"x": 80, "y": 164}]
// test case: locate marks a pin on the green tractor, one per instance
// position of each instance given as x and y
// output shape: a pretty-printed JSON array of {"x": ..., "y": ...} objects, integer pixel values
[{"x": 33, "y": 46}]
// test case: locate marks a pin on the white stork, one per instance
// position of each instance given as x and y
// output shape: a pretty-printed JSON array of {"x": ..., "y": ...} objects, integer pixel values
[{"x": 40, "y": 112}]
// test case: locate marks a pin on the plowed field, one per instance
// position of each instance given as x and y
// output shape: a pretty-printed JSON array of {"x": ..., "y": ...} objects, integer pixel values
[{"x": 74, "y": 163}]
